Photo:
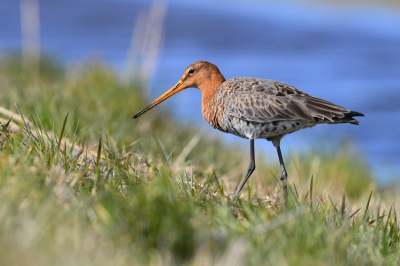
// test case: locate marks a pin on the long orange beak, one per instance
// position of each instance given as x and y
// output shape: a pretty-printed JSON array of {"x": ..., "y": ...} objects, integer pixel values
[{"x": 177, "y": 88}]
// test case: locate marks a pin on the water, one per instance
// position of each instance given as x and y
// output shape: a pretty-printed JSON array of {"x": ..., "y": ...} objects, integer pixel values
[{"x": 349, "y": 55}]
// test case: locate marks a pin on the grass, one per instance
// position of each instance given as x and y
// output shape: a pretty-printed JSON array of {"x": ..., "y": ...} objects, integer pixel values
[{"x": 83, "y": 184}]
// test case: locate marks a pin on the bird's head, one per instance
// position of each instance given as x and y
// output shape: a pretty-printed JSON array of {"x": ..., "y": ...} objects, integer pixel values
[{"x": 200, "y": 74}]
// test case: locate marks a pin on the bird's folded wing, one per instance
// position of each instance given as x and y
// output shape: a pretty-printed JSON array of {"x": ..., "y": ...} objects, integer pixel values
[{"x": 269, "y": 103}]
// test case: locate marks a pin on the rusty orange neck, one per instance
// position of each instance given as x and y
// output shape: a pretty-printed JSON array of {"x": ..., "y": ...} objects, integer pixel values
[{"x": 209, "y": 88}]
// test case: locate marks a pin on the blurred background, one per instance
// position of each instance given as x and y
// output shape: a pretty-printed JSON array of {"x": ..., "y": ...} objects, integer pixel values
[{"x": 347, "y": 53}]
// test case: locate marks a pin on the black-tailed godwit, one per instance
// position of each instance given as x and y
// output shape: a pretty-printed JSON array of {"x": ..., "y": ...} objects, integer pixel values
[{"x": 254, "y": 108}]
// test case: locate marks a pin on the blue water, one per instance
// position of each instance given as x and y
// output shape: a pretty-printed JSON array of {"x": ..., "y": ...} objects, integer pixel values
[{"x": 349, "y": 55}]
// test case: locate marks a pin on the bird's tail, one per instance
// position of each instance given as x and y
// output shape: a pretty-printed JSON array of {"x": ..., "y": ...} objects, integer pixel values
[{"x": 349, "y": 118}]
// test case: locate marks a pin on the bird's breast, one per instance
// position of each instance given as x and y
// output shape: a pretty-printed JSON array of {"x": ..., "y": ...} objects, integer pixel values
[{"x": 212, "y": 113}]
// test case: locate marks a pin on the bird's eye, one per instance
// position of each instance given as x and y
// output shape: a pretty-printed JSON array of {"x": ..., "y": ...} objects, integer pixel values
[{"x": 191, "y": 71}]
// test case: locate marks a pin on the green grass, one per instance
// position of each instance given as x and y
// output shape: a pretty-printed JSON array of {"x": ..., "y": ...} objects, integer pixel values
[{"x": 95, "y": 187}]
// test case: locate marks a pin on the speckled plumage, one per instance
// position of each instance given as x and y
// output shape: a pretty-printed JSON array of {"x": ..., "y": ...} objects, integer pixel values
[{"x": 255, "y": 108}]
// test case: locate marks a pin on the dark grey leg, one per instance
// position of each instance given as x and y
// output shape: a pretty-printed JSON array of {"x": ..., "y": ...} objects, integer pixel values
[
  {"x": 250, "y": 170},
  {"x": 283, "y": 174}
]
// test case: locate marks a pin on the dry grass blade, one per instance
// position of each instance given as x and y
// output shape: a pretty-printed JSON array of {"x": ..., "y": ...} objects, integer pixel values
[
  {"x": 335, "y": 210},
  {"x": 188, "y": 148},
  {"x": 99, "y": 152},
  {"x": 367, "y": 206},
  {"x": 163, "y": 154},
  {"x": 354, "y": 213},
  {"x": 27, "y": 128},
  {"x": 343, "y": 207},
  {"x": 62, "y": 132}
]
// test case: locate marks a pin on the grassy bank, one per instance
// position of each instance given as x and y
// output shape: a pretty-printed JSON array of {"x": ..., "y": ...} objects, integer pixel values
[{"x": 95, "y": 187}]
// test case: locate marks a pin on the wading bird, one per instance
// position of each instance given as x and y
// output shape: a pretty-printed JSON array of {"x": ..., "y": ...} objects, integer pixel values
[{"x": 254, "y": 108}]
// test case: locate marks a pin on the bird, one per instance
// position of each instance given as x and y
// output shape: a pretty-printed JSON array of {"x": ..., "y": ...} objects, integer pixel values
[{"x": 255, "y": 108}]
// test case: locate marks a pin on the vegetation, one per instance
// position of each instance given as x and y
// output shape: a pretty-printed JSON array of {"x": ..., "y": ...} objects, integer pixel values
[{"x": 83, "y": 184}]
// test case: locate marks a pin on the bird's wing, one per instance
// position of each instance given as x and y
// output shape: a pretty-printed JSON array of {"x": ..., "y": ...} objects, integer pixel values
[{"x": 260, "y": 100}]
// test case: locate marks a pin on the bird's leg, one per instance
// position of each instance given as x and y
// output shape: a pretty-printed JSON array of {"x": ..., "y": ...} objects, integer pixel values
[
  {"x": 250, "y": 170},
  {"x": 283, "y": 174}
]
